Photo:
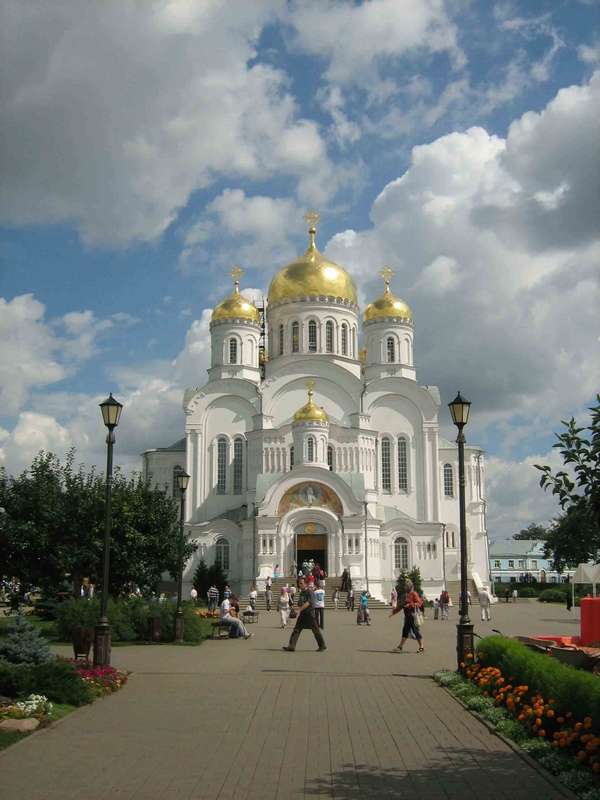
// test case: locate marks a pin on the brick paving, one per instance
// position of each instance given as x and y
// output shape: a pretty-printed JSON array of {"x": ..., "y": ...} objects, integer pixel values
[{"x": 244, "y": 720}]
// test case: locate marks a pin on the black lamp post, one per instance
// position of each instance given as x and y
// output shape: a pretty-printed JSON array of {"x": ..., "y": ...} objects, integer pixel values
[
  {"x": 459, "y": 408},
  {"x": 111, "y": 413},
  {"x": 182, "y": 483}
]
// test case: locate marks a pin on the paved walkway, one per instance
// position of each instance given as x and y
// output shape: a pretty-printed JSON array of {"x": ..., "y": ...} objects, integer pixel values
[{"x": 244, "y": 720}]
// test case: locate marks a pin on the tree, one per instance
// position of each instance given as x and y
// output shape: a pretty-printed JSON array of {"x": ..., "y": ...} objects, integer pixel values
[
  {"x": 200, "y": 579},
  {"x": 575, "y": 535},
  {"x": 53, "y": 527},
  {"x": 532, "y": 531}
]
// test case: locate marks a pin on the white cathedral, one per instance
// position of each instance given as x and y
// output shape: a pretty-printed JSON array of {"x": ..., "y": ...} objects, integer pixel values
[{"x": 301, "y": 445}]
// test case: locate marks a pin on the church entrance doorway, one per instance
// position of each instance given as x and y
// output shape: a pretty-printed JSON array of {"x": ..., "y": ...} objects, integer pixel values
[{"x": 311, "y": 544}]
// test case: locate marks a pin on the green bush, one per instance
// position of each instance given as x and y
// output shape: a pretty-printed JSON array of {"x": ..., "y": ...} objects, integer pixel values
[
  {"x": 74, "y": 612},
  {"x": 24, "y": 644},
  {"x": 528, "y": 591},
  {"x": 57, "y": 680},
  {"x": 552, "y": 596},
  {"x": 572, "y": 689}
]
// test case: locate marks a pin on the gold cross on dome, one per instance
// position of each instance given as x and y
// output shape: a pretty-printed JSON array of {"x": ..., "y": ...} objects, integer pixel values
[
  {"x": 310, "y": 385},
  {"x": 312, "y": 217},
  {"x": 387, "y": 273},
  {"x": 236, "y": 273}
]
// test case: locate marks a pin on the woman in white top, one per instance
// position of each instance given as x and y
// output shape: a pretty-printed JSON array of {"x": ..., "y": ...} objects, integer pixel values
[
  {"x": 252, "y": 597},
  {"x": 283, "y": 606}
]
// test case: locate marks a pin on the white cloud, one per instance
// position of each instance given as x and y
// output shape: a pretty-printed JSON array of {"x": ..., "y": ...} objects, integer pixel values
[
  {"x": 129, "y": 108},
  {"x": 590, "y": 53},
  {"x": 504, "y": 283},
  {"x": 356, "y": 39}
]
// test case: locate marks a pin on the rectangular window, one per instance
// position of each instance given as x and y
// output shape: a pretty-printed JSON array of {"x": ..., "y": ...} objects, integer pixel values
[
  {"x": 312, "y": 336},
  {"x": 534, "y": 564},
  {"x": 496, "y": 565},
  {"x": 521, "y": 565},
  {"x": 511, "y": 564},
  {"x": 281, "y": 340},
  {"x": 402, "y": 466},
  {"x": 329, "y": 337},
  {"x": 222, "y": 466},
  {"x": 386, "y": 466},
  {"x": 238, "y": 459},
  {"x": 295, "y": 337},
  {"x": 356, "y": 544}
]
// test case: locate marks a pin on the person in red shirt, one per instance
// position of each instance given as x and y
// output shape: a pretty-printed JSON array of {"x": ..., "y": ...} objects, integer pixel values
[{"x": 411, "y": 604}]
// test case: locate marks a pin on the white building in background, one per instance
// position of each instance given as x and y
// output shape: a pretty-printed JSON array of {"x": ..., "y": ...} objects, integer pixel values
[{"x": 301, "y": 445}]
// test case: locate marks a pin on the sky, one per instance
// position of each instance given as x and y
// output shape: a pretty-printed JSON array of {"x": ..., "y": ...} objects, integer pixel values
[{"x": 149, "y": 146}]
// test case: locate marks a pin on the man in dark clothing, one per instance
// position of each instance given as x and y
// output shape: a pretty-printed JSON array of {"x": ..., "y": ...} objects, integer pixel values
[{"x": 306, "y": 619}]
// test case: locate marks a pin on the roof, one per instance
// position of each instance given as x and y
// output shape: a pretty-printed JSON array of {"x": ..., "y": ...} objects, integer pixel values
[
  {"x": 517, "y": 547},
  {"x": 176, "y": 447}
]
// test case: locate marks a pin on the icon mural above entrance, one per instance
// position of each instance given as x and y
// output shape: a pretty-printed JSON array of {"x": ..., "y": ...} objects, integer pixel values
[{"x": 311, "y": 494}]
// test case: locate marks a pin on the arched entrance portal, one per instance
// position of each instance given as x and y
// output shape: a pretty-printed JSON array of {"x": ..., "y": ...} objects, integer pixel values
[{"x": 311, "y": 544}]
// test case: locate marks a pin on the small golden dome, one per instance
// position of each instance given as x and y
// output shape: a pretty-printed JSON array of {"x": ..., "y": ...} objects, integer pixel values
[
  {"x": 312, "y": 275},
  {"x": 388, "y": 305},
  {"x": 311, "y": 412},
  {"x": 236, "y": 306}
]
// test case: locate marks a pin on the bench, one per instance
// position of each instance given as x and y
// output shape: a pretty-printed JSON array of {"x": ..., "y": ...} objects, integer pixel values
[{"x": 220, "y": 629}]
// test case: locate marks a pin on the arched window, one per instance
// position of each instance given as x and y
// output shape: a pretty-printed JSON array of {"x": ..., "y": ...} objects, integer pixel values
[
  {"x": 401, "y": 553},
  {"x": 386, "y": 466},
  {"x": 310, "y": 449},
  {"x": 402, "y": 465},
  {"x": 222, "y": 554},
  {"x": 344, "y": 339},
  {"x": 238, "y": 460},
  {"x": 330, "y": 457},
  {"x": 291, "y": 456},
  {"x": 295, "y": 337},
  {"x": 448, "y": 480},
  {"x": 233, "y": 351},
  {"x": 312, "y": 336},
  {"x": 281, "y": 340},
  {"x": 222, "y": 466},
  {"x": 329, "y": 337},
  {"x": 391, "y": 350}
]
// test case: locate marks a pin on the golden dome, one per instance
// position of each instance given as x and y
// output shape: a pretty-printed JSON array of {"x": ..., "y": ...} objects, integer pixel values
[
  {"x": 388, "y": 305},
  {"x": 236, "y": 306},
  {"x": 311, "y": 412},
  {"x": 312, "y": 275}
]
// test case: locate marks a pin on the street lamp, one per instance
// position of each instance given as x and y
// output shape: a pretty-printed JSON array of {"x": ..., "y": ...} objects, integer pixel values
[
  {"x": 459, "y": 408},
  {"x": 111, "y": 413},
  {"x": 182, "y": 479}
]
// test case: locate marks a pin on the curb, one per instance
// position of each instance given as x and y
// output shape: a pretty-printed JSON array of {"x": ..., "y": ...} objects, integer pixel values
[{"x": 548, "y": 776}]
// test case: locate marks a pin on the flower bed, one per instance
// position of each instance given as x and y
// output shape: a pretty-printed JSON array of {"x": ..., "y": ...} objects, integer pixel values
[
  {"x": 36, "y": 706},
  {"x": 102, "y": 680},
  {"x": 204, "y": 614},
  {"x": 550, "y": 709}
]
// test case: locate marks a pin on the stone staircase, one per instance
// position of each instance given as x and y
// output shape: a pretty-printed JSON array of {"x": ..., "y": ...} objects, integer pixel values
[
  {"x": 330, "y": 583},
  {"x": 454, "y": 592}
]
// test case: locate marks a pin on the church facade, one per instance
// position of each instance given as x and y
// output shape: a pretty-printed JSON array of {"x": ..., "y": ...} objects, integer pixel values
[{"x": 299, "y": 445}]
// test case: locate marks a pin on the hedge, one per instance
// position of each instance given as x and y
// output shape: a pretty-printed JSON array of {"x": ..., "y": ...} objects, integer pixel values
[
  {"x": 58, "y": 680},
  {"x": 572, "y": 689},
  {"x": 130, "y": 619}
]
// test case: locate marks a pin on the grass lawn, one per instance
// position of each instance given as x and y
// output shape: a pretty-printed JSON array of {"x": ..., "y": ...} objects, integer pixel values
[
  {"x": 59, "y": 710},
  {"x": 46, "y": 626}
]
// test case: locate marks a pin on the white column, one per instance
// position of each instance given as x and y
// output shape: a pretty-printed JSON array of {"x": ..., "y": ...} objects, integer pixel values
[
  {"x": 196, "y": 474},
  {"x": 426, "y": 477}
]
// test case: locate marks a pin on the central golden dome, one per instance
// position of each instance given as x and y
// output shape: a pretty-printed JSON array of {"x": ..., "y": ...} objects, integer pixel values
[
  {"x": 311, "y": 412},
  {"x": 312, "y": 275}
]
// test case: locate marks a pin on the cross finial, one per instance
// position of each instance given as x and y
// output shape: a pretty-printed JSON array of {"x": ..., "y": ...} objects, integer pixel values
[
  {"x": 236, "y": 273},
  {"x": 312, "y": 217},
  {"x": 387, "y": 273},
  {"x": 310, "y": 385}
]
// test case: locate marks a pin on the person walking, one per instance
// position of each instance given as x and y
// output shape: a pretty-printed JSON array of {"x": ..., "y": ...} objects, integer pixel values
[
  {"x": 268, "y": 596},
  {"x": 485, "y": 603},
  {"x": 252, "y": 595},
  {"x": 569, "y": 601},
  {"x": 350, "y": 600},
  {"x": 283, "y": 606},
  {"x": 394, "y": 598},
  {"x": 194, "y": 595},
  {"x": 306, "y": 619},
  {"x": 336, "y": 598},
  {"x": 345, "y": 581},
  {"x": 444, "y": 604},
  {"x": 515, "y": 594},
  {"x": 411, "y": 607},
  {"x": 363, "y": 608},
  {"x": 212, "y": 597},
  {"x": 436, "y": 608},
  {"x": 319, "y": 594}
]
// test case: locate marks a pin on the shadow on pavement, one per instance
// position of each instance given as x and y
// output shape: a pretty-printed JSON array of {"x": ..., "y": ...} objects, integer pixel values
[{"x": 465, "y": 773}]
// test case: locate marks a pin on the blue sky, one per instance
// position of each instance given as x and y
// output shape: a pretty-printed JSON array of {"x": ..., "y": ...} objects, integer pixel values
[{"x": 151, "y": 146}]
